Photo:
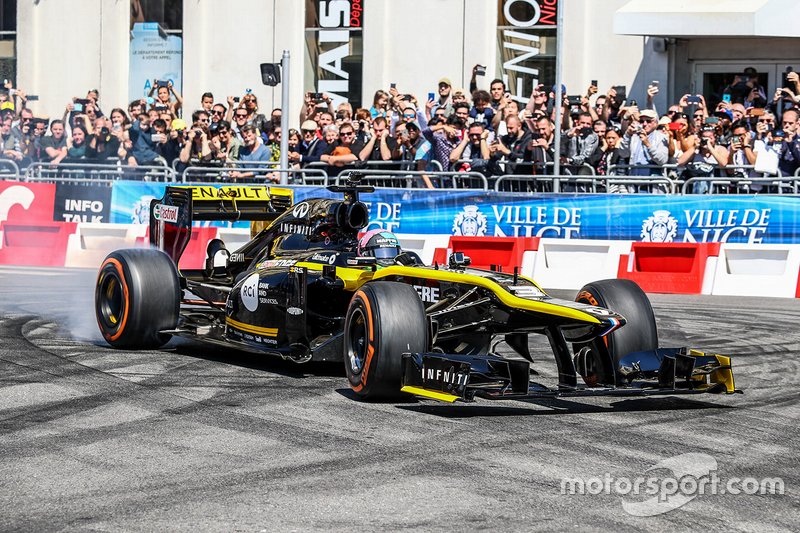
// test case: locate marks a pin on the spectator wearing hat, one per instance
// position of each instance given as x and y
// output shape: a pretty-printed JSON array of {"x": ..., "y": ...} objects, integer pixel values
[
  {"x": 644, "y": 145},
  {"x": 311, "y": 146},
  {"x": 445, "y": 100}
]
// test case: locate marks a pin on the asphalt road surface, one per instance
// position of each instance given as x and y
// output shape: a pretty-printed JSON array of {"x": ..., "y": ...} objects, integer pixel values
[{"x": 194, "y": 438}]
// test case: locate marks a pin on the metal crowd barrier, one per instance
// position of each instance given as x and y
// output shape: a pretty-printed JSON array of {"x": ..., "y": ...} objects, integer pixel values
[
  {"x": 417, "y": 179},
  {"x": 744, "y": 184},
  {"x": 97, "y": 173},
  {"x": 263, "y": 171},
  {"x": 9, "y": 169}
]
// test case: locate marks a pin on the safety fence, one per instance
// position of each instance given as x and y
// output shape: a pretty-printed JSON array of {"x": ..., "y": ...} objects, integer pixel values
[{"x": 658, "y": 179}]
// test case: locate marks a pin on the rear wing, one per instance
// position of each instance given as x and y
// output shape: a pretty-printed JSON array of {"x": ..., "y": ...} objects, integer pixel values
[{"x": 171, "y": 217}]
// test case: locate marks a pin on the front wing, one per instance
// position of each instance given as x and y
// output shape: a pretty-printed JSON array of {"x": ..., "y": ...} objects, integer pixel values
[{"x": 451, "y": 377}]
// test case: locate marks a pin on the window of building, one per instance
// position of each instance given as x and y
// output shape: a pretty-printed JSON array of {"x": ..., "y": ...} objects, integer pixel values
[{"x": 8, "y": 40}]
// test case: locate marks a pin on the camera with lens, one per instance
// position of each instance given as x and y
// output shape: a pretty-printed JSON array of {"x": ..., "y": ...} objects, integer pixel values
[
  {"x": 104, "y": 132},
  {"x": 340, "y": 115},
  {"x": 704, "y": 142}
]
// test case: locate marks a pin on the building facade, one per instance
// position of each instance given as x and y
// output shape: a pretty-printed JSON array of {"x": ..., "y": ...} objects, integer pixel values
[{"x": 59, "y": 49}]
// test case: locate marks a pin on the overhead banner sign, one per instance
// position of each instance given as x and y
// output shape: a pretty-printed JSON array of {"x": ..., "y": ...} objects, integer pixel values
[
  {"x": 154, "y": 55},
  {"x": 526, "y": 40},
  {"x": 334, "y": 49},
  {"x": 639, "y": 217}
]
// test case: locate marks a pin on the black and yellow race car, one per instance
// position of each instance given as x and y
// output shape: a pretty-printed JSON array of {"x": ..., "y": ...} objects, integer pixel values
[{"x": 306, "y": 288}]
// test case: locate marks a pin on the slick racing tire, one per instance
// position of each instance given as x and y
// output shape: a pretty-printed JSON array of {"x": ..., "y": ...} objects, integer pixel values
[
  {"x": 625, "y": 297},
  {"x": 136, "y": 297},
  {"x": 384, "y": 320}
]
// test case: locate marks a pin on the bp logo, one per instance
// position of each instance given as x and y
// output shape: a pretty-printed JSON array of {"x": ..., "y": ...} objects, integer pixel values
[
  {"x": 660, "y": 227},
  {"x": 470, "y": 222}
]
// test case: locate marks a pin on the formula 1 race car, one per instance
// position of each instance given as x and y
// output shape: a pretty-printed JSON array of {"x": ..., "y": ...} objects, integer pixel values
[{"x": 307, "y": 288}]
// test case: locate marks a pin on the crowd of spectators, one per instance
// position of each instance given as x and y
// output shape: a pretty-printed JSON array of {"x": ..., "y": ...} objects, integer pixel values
[{"x": 746, "y": 133}]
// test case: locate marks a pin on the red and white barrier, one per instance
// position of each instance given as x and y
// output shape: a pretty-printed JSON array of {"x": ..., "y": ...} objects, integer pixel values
[
  {"x": 671, "y": 267},
  {"x": 757, "y": 270},
  {"x": 423, "y": 245},
  {"x": 502, "y": 253},
  {"x": 35, "y": 243},
  {"x": 93, "y": 241},
  {"x": 234, "y": 238},
  {"x": 572, "y": 263}
]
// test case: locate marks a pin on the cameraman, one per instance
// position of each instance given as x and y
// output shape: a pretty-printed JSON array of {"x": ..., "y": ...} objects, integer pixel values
[
  {"x": 703, "y": 159},
  {"x": 645, "y": 146},
  {"x": 579, "y": 143},
  {"x": 102, "y": 146}
]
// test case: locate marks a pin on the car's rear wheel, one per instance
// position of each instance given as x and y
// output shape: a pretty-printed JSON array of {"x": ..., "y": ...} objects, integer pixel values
[
  {"x": 136, "y": 297},
  {"x": 384, "y": 320}
]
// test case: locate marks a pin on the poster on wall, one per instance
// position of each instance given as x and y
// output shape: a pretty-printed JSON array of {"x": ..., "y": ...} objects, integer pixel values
[
  {"x": 154, "y": 55},
  {"x": 334, "y": 49},
  {"x": 526, "y": 45}
]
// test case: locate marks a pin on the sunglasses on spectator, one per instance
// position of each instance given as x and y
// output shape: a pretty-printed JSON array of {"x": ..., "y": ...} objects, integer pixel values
[
  {"x": 217, "y": 112},
  {"x": 767, "y": 120},
  {"x": 346, "y": 134},
  {"x": 241, "y": 115},
  {"x": 697, "y": 115},
  {"x": 202, "y": 120},
  {"x": 406, "y": 115},
  {"x": 646, "y": 119}
]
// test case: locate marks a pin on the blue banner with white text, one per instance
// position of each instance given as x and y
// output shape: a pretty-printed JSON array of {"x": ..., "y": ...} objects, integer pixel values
[{"x": 654, "y": 218}]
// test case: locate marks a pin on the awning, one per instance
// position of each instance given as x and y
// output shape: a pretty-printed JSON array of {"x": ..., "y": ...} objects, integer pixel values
[{"x": 709, "y": 18}]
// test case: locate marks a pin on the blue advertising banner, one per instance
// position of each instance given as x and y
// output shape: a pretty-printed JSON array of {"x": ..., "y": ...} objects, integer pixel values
[
  {"x": 153, "y": 55},
  {"x": 653, "y": 218}
]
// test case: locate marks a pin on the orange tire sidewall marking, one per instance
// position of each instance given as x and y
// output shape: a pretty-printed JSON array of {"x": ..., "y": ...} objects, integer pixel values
[
  {"x": 589, "y": 297},
  {"x": 118, "y": 267},
  {"x": 370, "y": 346}
]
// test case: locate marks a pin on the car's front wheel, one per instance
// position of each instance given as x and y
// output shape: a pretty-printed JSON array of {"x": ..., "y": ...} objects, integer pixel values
[
  {"x": 384, "y": 321},
  {"x": 136, "y": 297},
  {"x": 639, "y": 334}
]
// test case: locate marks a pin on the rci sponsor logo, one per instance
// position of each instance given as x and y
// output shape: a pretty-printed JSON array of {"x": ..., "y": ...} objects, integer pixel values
[{"x": 249, "y": 293}]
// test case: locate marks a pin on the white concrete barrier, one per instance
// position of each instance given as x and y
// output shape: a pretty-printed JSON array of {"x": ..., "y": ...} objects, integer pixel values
[
  {"x": 757, "y": 270},
  {"x": 423, "y": 244},
  {"x": 572, "y": 263},
  {"x": 93, "y": 241},
  {"x": 234, "y": 238}
]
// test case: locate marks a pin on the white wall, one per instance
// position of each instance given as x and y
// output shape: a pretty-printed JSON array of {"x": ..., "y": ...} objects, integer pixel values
[
  {"x": 66, "y": 48},
  {"x": 224, "y": 43},
  {"x": 415, "y": 42}
]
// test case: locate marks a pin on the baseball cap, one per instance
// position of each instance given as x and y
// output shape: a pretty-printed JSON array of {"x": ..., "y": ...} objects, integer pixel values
[
  {"x": 309, "y": 125},
  {"x": 649, "y": 113},
  {"x": 412, "y": 125},
  {"x": 7, "y": 105},
  {"x": 724, "y": 113},
  {"x": 446, "y": 81},
  {"x": 750, "y": 72},
  {"x": 663, "y": 121},
  {"x": 178, "y": 124},
  {"x": 461, "y": 91}
]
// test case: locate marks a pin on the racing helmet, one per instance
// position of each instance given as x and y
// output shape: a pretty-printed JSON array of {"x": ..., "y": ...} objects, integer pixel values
[{"x": 380, "y": 244}]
